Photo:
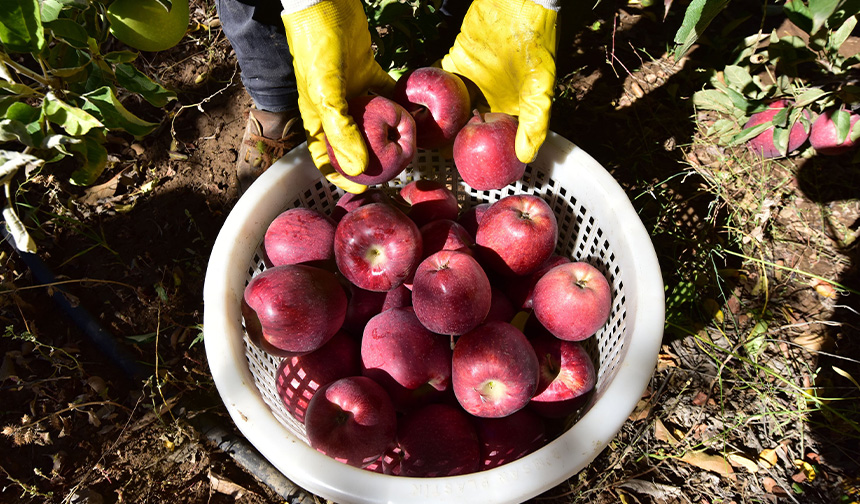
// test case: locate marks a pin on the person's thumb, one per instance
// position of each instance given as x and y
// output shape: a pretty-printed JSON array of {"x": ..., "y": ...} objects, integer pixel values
[
  {"x": 346, "y": 141},
  {"x": 535, "y": 105}
]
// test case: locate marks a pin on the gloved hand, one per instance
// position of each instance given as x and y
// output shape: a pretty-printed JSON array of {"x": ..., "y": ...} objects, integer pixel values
[
  {"x": 507, "y": 49},
  {"x": 333, "y": 62}
]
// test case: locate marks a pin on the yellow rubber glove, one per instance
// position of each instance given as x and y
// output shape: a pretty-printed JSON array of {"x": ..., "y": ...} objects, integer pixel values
[
  {"x": 507, "y": 49},
  {"x": 333, "y": 62}
]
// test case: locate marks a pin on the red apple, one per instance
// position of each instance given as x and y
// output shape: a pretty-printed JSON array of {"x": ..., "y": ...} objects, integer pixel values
[
  {"x": 350, "y": 201},
  {"x": 520, "y": 288},
  {"x": 471, "y": 217},
  {"x": 485, "y": 153},
  {"x": 439, "y": 102},
  {"x": 566, "y": 375},
  {"x": 364, "y": 304},
  {"x": 509, "y": 438},
  {"x": 298, "y": 307},
  {"x": 410, "y": 362},
  {"x": 517, "y": 234},
  {"x": 389, "y": 132},
  {"x": 377, "y": 247},
  {"x": 445, "y": 234},
  {"x": 573, "y": 300},
  {"x": 451, "y": 293},
  {"x": 433, "y": 441},
  {"x": 763, "y": 143},
  {"x": 299, "y": 377},
  {"x": 351, "y": 420},
  {"x": 429, "y": 200},
  {"x": 300, "y": 235},
  {"x": 501, "y": 308},
  {"x": 494, "y": 370},
  {"x": 825, "y": 138}
]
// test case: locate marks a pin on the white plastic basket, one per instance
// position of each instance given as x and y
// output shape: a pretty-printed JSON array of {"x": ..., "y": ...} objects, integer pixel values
[{"x": 597, "y": 224}]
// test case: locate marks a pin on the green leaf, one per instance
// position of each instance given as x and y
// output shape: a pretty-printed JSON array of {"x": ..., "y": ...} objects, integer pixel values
[
  {"x": 756, "y": 340},
  {"x": 697, "y": 17},
  {"x": 821, "y": 10},
  {"x": 713, "y": 99},
  {"x": 75, "y": 121},
  {"x": 103, "y": 103},
  {"x": 12, "y": 161},
  {"x": 780, "y": 139},
  {"x": 15, "y": 89},
  {"x": 50, "y": 10},
  {"x": 23, "y": 112},
  {"x": 70, "y": 32},
  {"x": 15, "y": 131},
  {"x": 780, "y": 119},
  {"x": 842, "y": 122},
  {"x": 738, "y": 77},
  {"x": 23, "y": 240},
  {"x": 749, "y": 133},
  {"x": 839, "y": 37},
  {"x": 93, "y": 157},
  {"x": 809, "y": 96},
  {"x": 116, "y": 57},
  {"x": 798, "y": 13},
  {"x": 21, "y": 26},
  {"x": 136, "y": 81},
  {"x": 59, "y": 143}
]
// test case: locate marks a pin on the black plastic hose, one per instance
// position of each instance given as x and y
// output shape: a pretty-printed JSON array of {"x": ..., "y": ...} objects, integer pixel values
[{"x": 209, "y": 425}]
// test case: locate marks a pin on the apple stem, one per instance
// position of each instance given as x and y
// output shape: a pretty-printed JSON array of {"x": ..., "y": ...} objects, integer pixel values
[
  {"x": 582, "y": 284},
  {"x": 478, "y": 115}
]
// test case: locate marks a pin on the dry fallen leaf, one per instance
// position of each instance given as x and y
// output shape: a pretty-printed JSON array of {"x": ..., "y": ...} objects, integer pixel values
[
  {"x": 824, "y": 289},
  {"x": 768, "y": 458},
  {"x": 224, "y": 486},
  {"x": 713, "y": 463},
  {"x": 659, "y": 492},
  {"x": 641, "y": 411},
  {"x": 663, "y": 434},
  {"x": 813, "y": 342},
  {"x": 740, "y": 461},
  {"x": 807, "y": 470}
]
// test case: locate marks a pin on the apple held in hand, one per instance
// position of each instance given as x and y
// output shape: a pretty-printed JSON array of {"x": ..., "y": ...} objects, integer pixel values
[
  {"x": 494, "y": 370},
  {"x": 438, "y": 101},
  {"x": 377, "y": 247},
  {"x": 566, "y": 375},
  {"x": 299, "y": 377},
  {"x": 573, "y": 300},
  {"x": 517, "y": 234},
  {"x": 429, "y": 200},
  {"x": 451, "y": 293},
  {"x": 410, "y": 362},
  {"x": 300, "y": 235},
  {"x": 434, "y": 441},
  {"x": 298, "y": 307},
  {"x": 351, "y": 420},
  {"x": 825, "y": 136},
  {"x": 485, "y": 154},
  {"x": 389, "y": 132},
  {"x": 764, "y": 144}
]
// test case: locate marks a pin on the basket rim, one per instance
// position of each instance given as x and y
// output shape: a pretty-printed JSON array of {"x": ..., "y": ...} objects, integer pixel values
[{"x": 512, "y": 482}]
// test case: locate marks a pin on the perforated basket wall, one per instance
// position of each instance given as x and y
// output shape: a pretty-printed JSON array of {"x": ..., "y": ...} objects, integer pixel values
[{"x": 596, "y": 224}]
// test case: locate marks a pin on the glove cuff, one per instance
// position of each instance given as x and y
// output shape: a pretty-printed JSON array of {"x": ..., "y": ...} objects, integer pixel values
[
  {"x": 292, "y": 6},
  {"x": 549, "y": 4}
]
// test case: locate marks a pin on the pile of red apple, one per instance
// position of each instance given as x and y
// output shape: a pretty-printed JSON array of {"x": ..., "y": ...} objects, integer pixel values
[{"x": 420, "y": 338}]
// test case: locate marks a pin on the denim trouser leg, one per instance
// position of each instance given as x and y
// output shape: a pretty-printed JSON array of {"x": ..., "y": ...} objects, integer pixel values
[{"x": 263, "y": 55}]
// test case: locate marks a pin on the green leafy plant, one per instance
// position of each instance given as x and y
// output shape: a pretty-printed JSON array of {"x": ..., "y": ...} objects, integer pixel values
[
  {"x": 61, "y": 93},
  {"x": 402, "y": 30},
  {"x": 806, "y": 68}
]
